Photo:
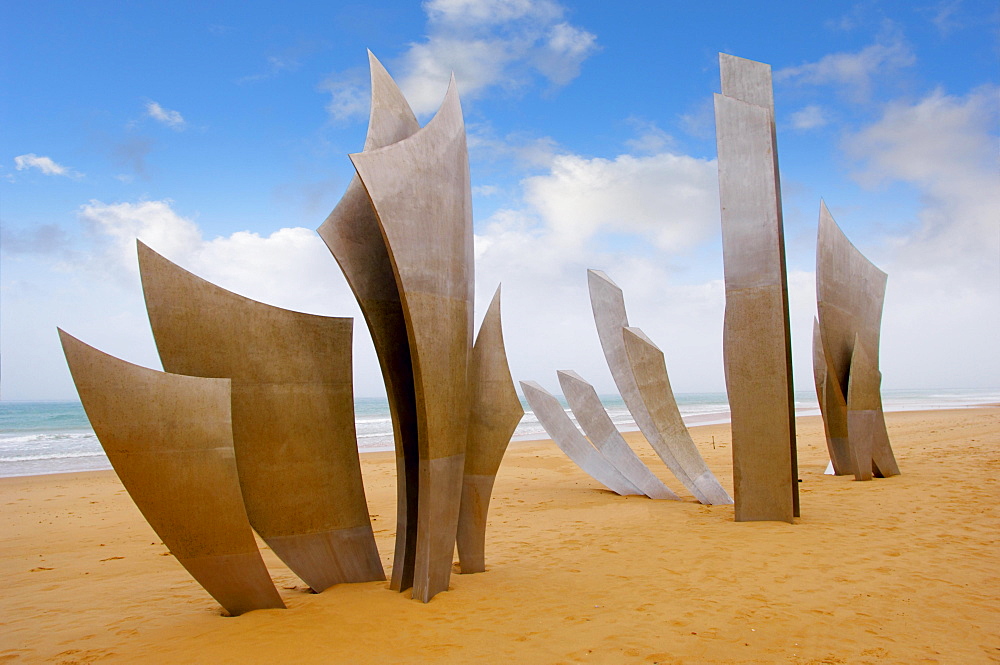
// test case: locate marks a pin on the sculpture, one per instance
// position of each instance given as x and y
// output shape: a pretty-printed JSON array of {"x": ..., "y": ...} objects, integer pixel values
[
  {"x": 608, "y": 304},
  {"x": 650, "y": 371},
  {"x": 494, "y": 412},
  {"x": 352, "y": 234},
  {"x": 832, "y": 406},
  {"x": 560, "y": 428},
  {"x": 170, "y": 441},
  {"x": 293, "y": 416},
  {"x": 419, "y": 187},
  {"x": 865, "y": 422},
  {"x": 850, "y": 293},
  {"x": 597, "y": 425},
  {"x": 756, "y": 339}
]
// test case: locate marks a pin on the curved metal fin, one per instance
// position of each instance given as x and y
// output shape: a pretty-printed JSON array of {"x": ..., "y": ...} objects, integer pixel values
[
  {"x": 599, "y": 428},
  {"x": 495, "y": 412},
  {"x": 421, "y": 192},
  {"x": 352, "y": 234},
  {"x": 560, "y": 428},
  {"x": 293, "y": 416},
  {"x": 169, "y": 439},
  {"x": 650, "y": 370}
]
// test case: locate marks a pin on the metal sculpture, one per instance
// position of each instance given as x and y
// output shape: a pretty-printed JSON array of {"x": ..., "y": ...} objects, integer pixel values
[
  {"x": 494, "y": 412},
  {"x": 170, "y": 441},
  {"x": 850, "y": 292},
  {"x": 862, "y": 412},
  {"x": 608, "y": 304},
  {"x": 599, "y": 428},
  {"x": 293, "y": 416},
  {"x": 563, "y": 432},
  {"x": 352, "y": 234},
  {"x": 650, "y": 370},
  {"x": 756, "y": 339},
  {"x": 421, "y": 193},
  {"x": 832, "y": 406}
]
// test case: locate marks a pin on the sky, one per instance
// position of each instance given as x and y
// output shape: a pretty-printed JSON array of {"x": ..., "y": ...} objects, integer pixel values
[{"x": 219, "y": 134}]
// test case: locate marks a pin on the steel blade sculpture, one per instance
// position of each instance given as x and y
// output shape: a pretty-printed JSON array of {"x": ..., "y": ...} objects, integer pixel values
[
  {"x": 293, "y": 416},
  {"x": 833, "y": 407},
  {"x": 170, "y": 440},
  {"x": 600, "y": 429},
  {"x": 253, "y": 425},
  {"x": 352, "y": 234},
  {"x": 402, "y": 235},
  {"x": 756, "y": 339},
  {"x": 850, "y": 293},
  {"x": 650, "y": 371},
  {"x": 672, "y": 444},
  {"x": 494, "y": 412},
  {"x": 421, "y": 193},
  {"x": 560, "y": 428}
]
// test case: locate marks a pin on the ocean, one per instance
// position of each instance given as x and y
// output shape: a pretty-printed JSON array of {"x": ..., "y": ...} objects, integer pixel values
[{"x": 56, "y": 437}]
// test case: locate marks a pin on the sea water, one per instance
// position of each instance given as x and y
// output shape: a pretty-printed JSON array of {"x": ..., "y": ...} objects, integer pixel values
[{"x": 56, "y": 437}]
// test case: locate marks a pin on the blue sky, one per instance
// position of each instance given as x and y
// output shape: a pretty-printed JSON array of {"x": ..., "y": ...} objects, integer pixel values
[{"x": 219, "y": 134}]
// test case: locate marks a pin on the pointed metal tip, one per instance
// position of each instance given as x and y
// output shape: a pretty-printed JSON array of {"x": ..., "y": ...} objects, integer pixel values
[
  {"x": 640, "y": 335},
  {"x": 570, "y": 374}
]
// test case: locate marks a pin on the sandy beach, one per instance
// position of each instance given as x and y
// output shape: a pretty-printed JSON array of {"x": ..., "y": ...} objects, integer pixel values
[{"x": 898, "y": 570}]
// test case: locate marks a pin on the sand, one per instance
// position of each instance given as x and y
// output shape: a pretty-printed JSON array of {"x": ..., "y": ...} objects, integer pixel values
[{"x": 898, "y": 570}]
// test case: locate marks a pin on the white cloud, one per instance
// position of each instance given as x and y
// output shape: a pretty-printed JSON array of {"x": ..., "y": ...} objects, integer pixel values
[
  {"x": 606, "y": 214},
  {"x": 488, "y": 44},
  {"x": 463, "y": 14},
  {"x": 548, "y": 321},
  {"x": 946, "y": 147},
  {"x": 115, "y": 227},
  {"x": 671, "y": 200},
  {"x": 527, "y": 151},
  {"x": 485, "y": 190},
  {"x": 942, "y": 299},
  {"x": 94, "y": 292},
  {"x": 563, "y": 51},
  {"x": 809, "y": 117},
  {"x": 650, "y": 139},
  {"x": 349, "y": 98},
  {"x": 945, "y": 16},
  {"x": 172, "y": 119},
  {"x": 289, "y": 268},
  {"x": 44, "y": 164},
  {"x": 853, "y": 72}
]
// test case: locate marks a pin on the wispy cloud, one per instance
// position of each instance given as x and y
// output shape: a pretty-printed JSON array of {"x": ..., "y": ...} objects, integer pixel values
[
  {"x": 854, "y": 72},
  {"x": 810, "y": 117},
  {"x": 946, "y": 146},
  {"x": 490, "y": 45},
  {"x": 276, "y": 64},
  {"x": 650, "y": 139},
  {"x": 46, "y": 165},
  {"x": 944, "y": 16},
  {"x": 944, "y": 269},
  {"x": 172, "y": 119},
  {"x": 285, "y": 60},
  {"x": 349, "y": 94}
]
